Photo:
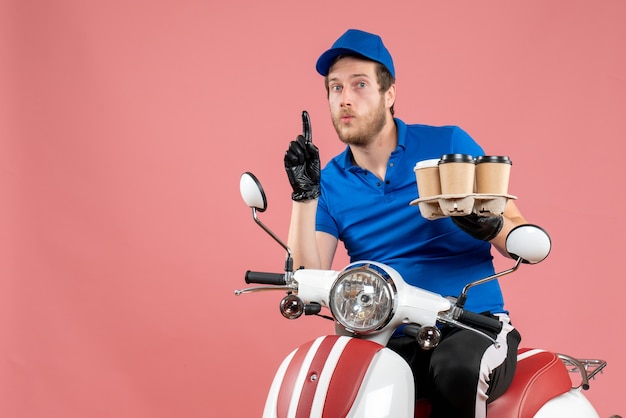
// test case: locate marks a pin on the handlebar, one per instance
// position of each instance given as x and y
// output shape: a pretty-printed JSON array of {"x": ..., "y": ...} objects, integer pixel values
[
  {"x": 260, "y": 277},
  {"x": 481, "y": 321},
  {"x": 467, "y": 320}
]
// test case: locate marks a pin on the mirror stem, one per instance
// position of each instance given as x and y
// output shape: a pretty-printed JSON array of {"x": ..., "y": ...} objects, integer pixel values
[
  {"x": 463, "y": 296},
  {"x": 289, "y": 260}
]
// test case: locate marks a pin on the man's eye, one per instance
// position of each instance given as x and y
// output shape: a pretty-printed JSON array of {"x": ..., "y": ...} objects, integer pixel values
[
  {"x": 335, "y": 88},
  {"x": 361, "y": 84}
]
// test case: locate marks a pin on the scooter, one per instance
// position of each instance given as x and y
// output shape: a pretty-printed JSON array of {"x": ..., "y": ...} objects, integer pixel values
[{"x": 353, "y": 374}]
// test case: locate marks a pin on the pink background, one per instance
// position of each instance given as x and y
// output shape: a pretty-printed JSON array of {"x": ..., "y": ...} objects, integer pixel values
[{"x": 125, "y": 126}]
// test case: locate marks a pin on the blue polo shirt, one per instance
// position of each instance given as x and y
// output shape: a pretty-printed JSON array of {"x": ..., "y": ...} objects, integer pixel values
[{"x": 374, "y": 220}]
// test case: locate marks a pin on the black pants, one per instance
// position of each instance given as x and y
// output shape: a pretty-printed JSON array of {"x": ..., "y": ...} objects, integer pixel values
[{"x": 464, "y": 372}]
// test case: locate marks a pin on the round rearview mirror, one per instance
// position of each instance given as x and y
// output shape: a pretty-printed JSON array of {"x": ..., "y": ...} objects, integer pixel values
[
  {"x": 252, "y": 192},
  {"x": 529, "y": 242}
]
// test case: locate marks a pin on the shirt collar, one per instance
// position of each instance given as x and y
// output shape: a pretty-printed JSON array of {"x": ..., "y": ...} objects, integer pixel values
[
  {"x": 346, "y": 156},
  {"x": 401, "y": 127}
]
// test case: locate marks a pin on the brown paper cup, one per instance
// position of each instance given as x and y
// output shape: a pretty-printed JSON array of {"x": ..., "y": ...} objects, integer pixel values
[
  {"x": 492, "y": 174},
  {"x": 427, "y": 177},
  {"x": 456, "y": 174}
]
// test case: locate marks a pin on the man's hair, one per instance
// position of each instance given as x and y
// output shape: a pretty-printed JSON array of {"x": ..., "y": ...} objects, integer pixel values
[{"x": 385, "y": 79}]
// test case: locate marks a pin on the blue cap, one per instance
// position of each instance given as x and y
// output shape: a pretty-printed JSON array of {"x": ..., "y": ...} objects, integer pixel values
[{"x": 357, "y": 42}]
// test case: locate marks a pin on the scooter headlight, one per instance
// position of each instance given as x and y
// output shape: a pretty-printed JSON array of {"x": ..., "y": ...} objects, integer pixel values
[{"x": 363, "y": 298}]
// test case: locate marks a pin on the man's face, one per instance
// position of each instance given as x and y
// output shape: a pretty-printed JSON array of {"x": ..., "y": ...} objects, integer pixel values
[{"x": 358, "y": 109}]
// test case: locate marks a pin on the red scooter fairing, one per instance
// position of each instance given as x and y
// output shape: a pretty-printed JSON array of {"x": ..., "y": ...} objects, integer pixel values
[{"x": 338, "y": 376}]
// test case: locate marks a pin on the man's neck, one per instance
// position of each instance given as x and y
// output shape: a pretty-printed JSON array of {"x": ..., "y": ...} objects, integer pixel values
[{"x": 375, "y": 156}]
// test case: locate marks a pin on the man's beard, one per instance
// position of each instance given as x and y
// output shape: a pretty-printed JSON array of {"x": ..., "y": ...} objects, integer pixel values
[{"x": 371, "y": 125}]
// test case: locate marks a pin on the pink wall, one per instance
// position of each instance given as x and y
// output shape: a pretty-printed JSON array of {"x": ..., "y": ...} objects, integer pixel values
[{"x": 125, "y": 125}]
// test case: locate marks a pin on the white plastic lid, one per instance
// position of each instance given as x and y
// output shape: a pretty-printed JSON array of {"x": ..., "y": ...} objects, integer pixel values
[{"x": 426, "y": 163}]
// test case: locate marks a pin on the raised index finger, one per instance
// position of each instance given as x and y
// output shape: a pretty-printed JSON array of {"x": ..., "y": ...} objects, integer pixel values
[{"x": 306, "y": 127}]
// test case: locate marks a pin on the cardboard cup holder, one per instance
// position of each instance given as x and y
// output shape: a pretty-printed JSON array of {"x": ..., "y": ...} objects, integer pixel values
[
  {"x": 459, "y": 184},
  {"x": 441, "y": 206}
]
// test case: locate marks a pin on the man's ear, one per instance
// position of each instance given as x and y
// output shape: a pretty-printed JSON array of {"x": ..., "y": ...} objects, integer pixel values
[{"x": 390, "y": 96}]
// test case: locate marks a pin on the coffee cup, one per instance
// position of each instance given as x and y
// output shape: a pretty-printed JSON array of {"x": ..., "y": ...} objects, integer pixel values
[
  {"x": 492, "y": 174},
  {"x": 456, "y": 174},
  {"x": 427, "y": 177}
]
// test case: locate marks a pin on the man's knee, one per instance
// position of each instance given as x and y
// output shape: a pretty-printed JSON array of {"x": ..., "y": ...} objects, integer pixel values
[{"x": 456, "y": 377}]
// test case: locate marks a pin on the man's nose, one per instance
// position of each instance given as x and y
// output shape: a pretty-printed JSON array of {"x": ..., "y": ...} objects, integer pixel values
[{"x": 346, "y": 98}]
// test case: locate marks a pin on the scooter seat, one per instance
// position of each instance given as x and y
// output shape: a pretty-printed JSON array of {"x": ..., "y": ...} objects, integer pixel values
[{"x": 539, "y": 377}]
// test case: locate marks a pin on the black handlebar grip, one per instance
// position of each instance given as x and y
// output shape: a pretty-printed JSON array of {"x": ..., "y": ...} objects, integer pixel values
[
  {"x": 484, "y": 322},
  {"x": 411, "y": 330},
  {"x": 260, "y": 277}
]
